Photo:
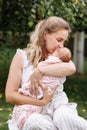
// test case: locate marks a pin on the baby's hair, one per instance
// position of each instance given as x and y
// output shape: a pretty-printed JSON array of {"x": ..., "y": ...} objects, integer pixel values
[
  {"x": 64, "y": 54},
  {"x": 36, "y": 50}
]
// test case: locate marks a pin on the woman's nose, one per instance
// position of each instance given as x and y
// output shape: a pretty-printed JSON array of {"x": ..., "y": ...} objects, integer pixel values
[{"x": 59, "y": 45}]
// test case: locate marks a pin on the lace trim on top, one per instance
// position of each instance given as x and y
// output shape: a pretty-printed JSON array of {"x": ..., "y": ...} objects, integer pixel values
[{"x": 23, "y": 53}]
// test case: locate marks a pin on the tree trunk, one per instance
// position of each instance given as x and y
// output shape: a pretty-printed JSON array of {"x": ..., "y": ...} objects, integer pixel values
[{"x": 79, "y": 52}]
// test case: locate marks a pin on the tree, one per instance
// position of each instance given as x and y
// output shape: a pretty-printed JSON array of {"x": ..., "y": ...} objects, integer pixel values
[
  {"x": 79, "y": 51},
  {"x": 22, "y": 15}
]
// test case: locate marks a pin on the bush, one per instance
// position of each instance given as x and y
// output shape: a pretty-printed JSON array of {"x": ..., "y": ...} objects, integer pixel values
[{"x": 6, "y": 55}]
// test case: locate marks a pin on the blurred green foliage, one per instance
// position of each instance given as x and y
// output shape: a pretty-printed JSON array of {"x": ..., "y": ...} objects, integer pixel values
[
  {"x": 19, "y": 17},
  {"x": 22, "y": 15},
  {"x": 6, "y": 55}
]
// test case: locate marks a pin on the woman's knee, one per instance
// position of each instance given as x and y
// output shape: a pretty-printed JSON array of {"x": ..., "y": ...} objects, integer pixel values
[
  {"x": 32, "y": 122},
  {"x": 60, "y": 115},
  {"x": 39, "y": 122}
]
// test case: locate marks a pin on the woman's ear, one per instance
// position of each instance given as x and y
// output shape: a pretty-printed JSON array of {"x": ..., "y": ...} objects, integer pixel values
[{"x": 45, "y": 35}]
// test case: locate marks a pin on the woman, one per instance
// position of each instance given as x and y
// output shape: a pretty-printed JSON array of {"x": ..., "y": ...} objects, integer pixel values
[{"x": 49, "y": 35}]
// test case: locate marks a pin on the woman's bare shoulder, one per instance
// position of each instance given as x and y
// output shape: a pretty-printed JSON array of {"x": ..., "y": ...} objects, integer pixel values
[{"x": 17, "y": 60}]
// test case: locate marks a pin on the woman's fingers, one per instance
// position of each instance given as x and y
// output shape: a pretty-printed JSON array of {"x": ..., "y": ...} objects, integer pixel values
[
  {"x": 34, "y": 82},
  {"x": 54, "y": 89},
  {"x": 34, "y": 88}
]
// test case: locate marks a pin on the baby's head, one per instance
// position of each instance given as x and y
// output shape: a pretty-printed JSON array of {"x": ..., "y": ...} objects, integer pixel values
[{"x": 64, "y": 54}]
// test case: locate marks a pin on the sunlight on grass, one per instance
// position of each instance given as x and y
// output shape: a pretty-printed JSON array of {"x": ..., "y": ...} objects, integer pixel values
[
  {"x": 5, "y": 110},
  {"x": 82, "y": 110},
  {"x": 4, "y": 116}
]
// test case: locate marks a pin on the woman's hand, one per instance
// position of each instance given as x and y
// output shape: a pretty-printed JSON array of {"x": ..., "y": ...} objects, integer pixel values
[
  {"x": 34, "y": 81},
  {"x": 48, "y": 95}
]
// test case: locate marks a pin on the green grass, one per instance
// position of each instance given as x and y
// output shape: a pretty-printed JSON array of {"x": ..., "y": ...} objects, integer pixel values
[
  {"x": 4, "y": 116},
  {"x": 5, "y": 111},
  {"x": 76, "y": 89}
]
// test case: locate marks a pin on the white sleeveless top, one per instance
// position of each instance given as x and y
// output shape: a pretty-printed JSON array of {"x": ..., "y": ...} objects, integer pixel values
[
  {"x": 59, "y": 98},
  {"x": 28, "y": 69}
]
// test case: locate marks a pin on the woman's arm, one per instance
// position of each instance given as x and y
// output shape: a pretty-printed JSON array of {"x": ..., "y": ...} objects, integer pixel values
[
  {"x": 59, "y": 69},
  {"x": 13, "y": 83}
]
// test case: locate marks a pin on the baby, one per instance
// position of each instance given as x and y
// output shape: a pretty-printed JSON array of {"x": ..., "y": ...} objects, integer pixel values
[{"x": 59, "y": 55}]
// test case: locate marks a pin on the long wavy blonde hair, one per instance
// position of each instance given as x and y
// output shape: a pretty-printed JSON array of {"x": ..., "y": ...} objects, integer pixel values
[{"x": 36, "y": 50}]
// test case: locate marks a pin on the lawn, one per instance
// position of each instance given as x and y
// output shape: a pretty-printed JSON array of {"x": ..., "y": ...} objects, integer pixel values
[
  {"x": 5, "y": 111},
  {"x": 76, "y": 89}
]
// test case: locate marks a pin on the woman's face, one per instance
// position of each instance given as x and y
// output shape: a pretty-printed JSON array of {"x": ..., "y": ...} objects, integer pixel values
[{"x": 55, "y": 40}]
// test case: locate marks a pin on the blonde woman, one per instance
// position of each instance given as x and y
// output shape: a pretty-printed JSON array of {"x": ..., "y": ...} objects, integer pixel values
[{"x": 48, "y": 36}]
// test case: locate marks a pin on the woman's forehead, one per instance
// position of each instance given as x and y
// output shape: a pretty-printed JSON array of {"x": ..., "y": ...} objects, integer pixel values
[{"x": 62, "y": 34}]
